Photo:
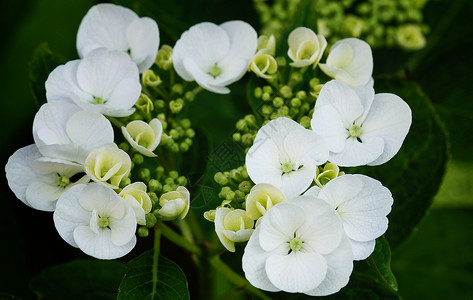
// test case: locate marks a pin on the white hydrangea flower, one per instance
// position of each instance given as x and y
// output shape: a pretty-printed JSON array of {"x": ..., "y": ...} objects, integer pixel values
[
  {"x": 349, "y": 61},
  {"x": 39, "y": 181},
  {"x": 144, "y": 137},
  {"x": 104, "y": 81},
  {"x": 108, "y": 165},
  {"x": 63, "y": 130},
  {"x": 360, "y": 127},
  {"x": 261, "y": 198},
  {"x": 232, "y": 226},
  {"x": 215, "y": 55},
  {"x": 119, "y": 28},
  {"x": 299, "y": 247},
  {"x": 135, "y": 194},
  {"x": 285, "y": 155},
  {"x": 96, "y": 220},
  {"x": 305, "y": 47},
  {"x": 175, "y": 204},
  {"x": 363, "y": 204}
]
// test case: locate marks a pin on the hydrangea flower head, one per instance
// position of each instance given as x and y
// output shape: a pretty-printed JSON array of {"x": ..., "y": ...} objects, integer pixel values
[
  {"x": 349, "y": 61},
  {"x": 215, "y": 55},
  {"x": 116, "y": 27},
  {"x": 285, "y": 155},
  {"x": 95, "y": 219},
  {"x": 104, "y": 81},
  {"x": 299, "y": 247},
  {"x": 360, "y": 127}
]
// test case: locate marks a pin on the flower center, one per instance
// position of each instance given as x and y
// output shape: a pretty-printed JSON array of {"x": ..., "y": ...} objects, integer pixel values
[
  {"x": 296, "y": 244},
  {"x": 98, "y": 100},
  {"x": 355, "y": 130},
  {"x": 287, "y": 167},
  {"x": 63, "y": 181},
  {"x": 103, "y": 222},
  {"x": 215, "y": 71}
]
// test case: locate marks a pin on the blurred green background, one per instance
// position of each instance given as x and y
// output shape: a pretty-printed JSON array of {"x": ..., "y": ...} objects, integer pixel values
[{"x": 436, "y": 262}]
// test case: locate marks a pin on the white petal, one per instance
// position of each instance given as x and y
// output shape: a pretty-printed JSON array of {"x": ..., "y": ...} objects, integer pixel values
[
  {"x": 390, "y": 118},
  {"x": 242, "y": 235},
  {"x": 103, "y": 71},
  {"x": 43, "y": 196},
  {"x": 279, "y": 224},
  {"x": 69, "y": 214},
  {"x": 341, "y": 97},
  {"x": 361, "y": 250},
  {"x": 100, "y": 245},
  {"x": 328, "y": 123},
  {"x": 296, "y": 182},
  {"x": 297, "y": 271},
  {"x": 304, "y": 144},
  {"x": 312, "y": 192},
  {"x": 104, "y": 25},
  {"x": 358, "y": 153},
  {"x": 19, "y": 172},
  {"x": 46, "y": 165},
  {"x": 243, "y": 42},
  {"x": 89, "y": 129},
  {"x": 123, "y": 229},
  {"x": 143, "y": 39},
  {"x": 340, "y": 266},
  {"x": 202, "y": 77},
  {"x": 322, "y": 230},
  {"x": 262, "y": 162},
  {"x": 219, "y": 228},
  {"x": 340, "y": 190},
  {"x": 62, "y": 85},
  {"x": 364, "y": 215},
  {"x": 204, "y": 44},
  {"x": 253, "y": 264},
  {"x": 104, "y": 200}
]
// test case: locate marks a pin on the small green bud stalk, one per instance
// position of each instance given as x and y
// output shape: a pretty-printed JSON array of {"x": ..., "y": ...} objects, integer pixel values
[
  {"x": 215, "y": 71},
  {"x": 287, "y": 167},
  {"x": 103, "y": 222},
  {"x": 355, "y": 130},
  {"x": 296, "y": 244},
  {"x": 98, "y": 100},
  {"x": 63, "y": 181}
]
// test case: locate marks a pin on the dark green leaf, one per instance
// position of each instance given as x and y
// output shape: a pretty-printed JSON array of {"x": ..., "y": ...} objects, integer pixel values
[
  {"x": 140, "y": 282},
  {"x": 415, "y": 173},
  {"x": 80, "y": 279},
  {"x": 380, "y": 261},
  {"x": 42, "y": 62},
  {"x": 6, "y": 296}
]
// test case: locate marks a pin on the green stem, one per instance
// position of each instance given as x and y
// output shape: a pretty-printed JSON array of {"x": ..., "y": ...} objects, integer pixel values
[
  {"x": 186, "y": 230},
  {"x": 157, "y": 240},
  {"x": 162, "y": 93},
  {"x": 179, "y": 240},
  {"x": 235, "y": 278},
  {"x": 197, "y": 90}
]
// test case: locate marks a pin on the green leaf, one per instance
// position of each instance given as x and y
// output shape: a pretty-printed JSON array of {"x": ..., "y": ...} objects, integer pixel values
[
  {"x": 140, "y": 282},
  {"x": 305, "y": 16},
  {"x": 380, "y": 261},
  {"x": 42, "y": 62},
  {"x": 79, "y": 279},
  {"x": 415, "y": 173}
]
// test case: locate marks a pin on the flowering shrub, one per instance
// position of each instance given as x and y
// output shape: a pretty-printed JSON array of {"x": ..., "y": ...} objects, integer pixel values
[{"x": 111, "y": 142}]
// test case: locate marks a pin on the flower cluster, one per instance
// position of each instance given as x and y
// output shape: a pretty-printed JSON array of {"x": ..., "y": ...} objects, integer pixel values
[{"x": 305, "y": 220}]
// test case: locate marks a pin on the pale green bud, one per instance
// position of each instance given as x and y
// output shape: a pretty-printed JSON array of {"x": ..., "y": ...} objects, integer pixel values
[
  {"x": 149, "y": 78},
  {"x": 154, "y": 185},
  {"x": 177, "y": 88},
  {"x": 143, "y": 231},
  {"x": 175, "y": 106},
  {"x": 286, "y": 91},
  {"x": 210, "y": 215},
  {"x": 150, "y": 220},
  {"x": 135, "y": 194},
  {"x": 144, "y": 104},
  {"x": 232, "y": 226},
  {"x": 410, "y": 37},
  {"x": 174, "y": 204},
  {"x": 278, "y": 102},
  {"x": 164, "y": 57},
  {"x": 261, "y": 198}
]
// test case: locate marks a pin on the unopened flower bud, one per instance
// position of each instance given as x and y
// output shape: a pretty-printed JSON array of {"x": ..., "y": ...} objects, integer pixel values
[
  {"x": 175, "y": 204},
  {"x": 149, "y": 78}
]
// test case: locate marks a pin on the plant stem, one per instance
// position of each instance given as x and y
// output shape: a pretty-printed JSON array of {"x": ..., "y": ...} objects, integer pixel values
[
  {"x": 117, "y": 123},
  {"x": 235, "y": 278},
  {"x": 179, "y": 240},
  {"x": 157, "y": 240}
]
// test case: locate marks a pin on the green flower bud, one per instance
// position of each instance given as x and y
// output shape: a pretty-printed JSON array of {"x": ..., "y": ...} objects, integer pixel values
[
  {"x": 239, "y": 196},
  {"x": 189, "y": 96},
  {"x": 295, "y": 102},
  {"x": 144, "y": 104},
  {"x": 143, "y": 231},
  {"x": 177, "y": 88},
  {"x": 167, "y": 188},
  {"x": 173, "y": 174},
  {"x": 258, "y": 92},
  {"x": 144, "y": 174},
  {"x": 164, "y": 57},
  {"x": 190, "y": 133},
  {"x": 159, "y": 171},
  {"x": 266, "y": 110},
  {"x": 250, "y": 120},
  {"x": 283, "y": 111},
  {"x": 247, "y": 139},
  {"x": 174, "y": 204},
  {"x": 305, "y": 122},
  {"x": 210, "y": 215},
  {"x": 181, "y": 180},
  {"x": 266, "y": 97},
  {"x": 224, "y": 191},
  {"x": 267, "y": 89},
  {"x": 281, "y": 60},
  {"x": 183, "y": 147},
  {"x": 160, "y": 104},
  {"x": 236, "y": 136},
  {"x": 230, "y": 195},
  {"x": 301, "y": 95},
  {"x": 410, "y": 37},
  {"x": 169, "y": 180},
  {"x": 244, "y": 173},
  {"x": 175, "y": 106},
  {"x": 149, "y": 78},
  {"x": 220, "y": 178},
  {"x": 286, "y": 91},
  {"x": 138, "y": 159},
  {"x": 154, "y": 186},
  {"x": 125, "y": 182},
  {"x": 296, "y": 77},
  {"x": 278, "y": 102},
  {"x": 124, "y": 146},
  {"x": 244, "y": 186},
  {"x": 174, "y": 134},
  {"x": 175, "y": 148},
  {"x": 241, "y": 125},
  {"x": 150, "y": 220}
]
